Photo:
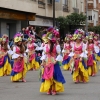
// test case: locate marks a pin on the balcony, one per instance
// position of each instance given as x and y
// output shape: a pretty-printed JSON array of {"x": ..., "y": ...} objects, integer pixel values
[
  {"x": 41, "y": 4},
  {"x": 65, "y": 8},
  {"x": 90, "y": 6}
]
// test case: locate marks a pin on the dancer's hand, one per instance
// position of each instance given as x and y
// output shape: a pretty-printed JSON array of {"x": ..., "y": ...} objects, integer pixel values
[{"x": 80, "y": 59}]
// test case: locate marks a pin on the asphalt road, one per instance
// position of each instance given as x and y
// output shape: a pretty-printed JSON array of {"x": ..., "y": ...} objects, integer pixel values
[{"x": 30, "y": 89}]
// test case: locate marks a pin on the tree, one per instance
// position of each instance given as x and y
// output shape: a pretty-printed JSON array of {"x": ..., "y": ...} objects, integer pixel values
[
  {"x": 62, "y": 22},
  {"x": 95, "y": 29},
  {"x": 71, "y": 22},
  {"x": 74, "y": 19}
]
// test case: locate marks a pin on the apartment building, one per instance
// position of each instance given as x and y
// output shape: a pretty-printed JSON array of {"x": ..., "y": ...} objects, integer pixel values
[
  {"x": 93, "y": 12},
  {"x": 16, "y": 14},
  {"x": 62, "y": 8}
]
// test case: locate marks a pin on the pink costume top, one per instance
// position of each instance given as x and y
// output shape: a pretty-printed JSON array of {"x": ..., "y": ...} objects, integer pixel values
[
  {"x": 90, "y": 48},
  {"x": 1, "y": 56},
  {"x": 78, "y": 49},
  {"x": 18, "y": 65},
  {"x": 31, "y": 49},
  {"x": 49, "y": 67},
  {"x": 96, "y": 43},
  {"x": 17, "y": 50},
  {"x": 67, "y": 47},
  {"x": 90, "y": 52},
  {"x": 53, "y": 54}
]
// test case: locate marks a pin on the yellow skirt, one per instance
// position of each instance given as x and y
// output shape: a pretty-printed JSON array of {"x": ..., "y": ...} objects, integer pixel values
[
  {"x": 19, "y": 76},
  {"x": 66, "y": 66},
  {"x": 90, "y": 69},
  {"x": 83, "y": 71},
  {"x": 46, "y": 85},
  {"x": 6, "y": 69},
  {"x": 97, "y": 57},
  {"x": 33, "y": 65}
]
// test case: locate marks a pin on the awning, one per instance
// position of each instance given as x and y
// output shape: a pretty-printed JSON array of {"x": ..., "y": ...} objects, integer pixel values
[
  {"x": 16, "y": 15},
  {"x": 41, "y": 22}
]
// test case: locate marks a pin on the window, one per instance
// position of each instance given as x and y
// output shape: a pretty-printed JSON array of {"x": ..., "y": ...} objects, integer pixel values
[
  {"x": 89, "y": 17},
  {"x": 41, "y": 4},
  {"x": 65, "y": 5},
  {"x": 49, "y": 1},
  {"x": 74, "y": 3},
  {"x": 65, "y": 2}
]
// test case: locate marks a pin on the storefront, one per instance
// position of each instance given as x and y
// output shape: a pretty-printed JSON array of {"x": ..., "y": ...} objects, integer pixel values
[{"x": 11, "y": 21}]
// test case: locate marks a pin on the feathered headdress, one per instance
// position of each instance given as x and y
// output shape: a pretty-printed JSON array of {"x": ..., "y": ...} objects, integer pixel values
[
  {"x": 17, "y": 38},
  {"x": 5, "y": 38}
]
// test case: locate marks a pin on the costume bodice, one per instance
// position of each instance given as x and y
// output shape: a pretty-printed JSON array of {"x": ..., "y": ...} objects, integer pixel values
[
  {"x": 91, "y": 47},
  {"x": 78, "y": 49},
  {"x": 96, "y": 43},
  {"x": 17, "y": 50},
  {"x": 48, "y": 50},
  {"x": 67, "y": 46},
  {"x": 31, "y": 46}
]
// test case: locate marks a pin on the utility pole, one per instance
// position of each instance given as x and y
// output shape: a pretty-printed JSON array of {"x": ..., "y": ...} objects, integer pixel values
[
  {"x": 53, "y": 13},
  {"x": 86, "y": 16}
]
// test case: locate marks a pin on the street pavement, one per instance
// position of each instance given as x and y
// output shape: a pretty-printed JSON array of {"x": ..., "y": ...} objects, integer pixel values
[{"x": 30, "y": 89}]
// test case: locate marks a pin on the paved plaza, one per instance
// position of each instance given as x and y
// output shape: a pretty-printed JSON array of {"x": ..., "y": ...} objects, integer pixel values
[{"x": 30, "y": 89}]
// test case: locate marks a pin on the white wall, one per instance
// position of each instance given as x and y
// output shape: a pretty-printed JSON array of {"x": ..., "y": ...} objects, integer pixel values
[
  {"x": 94, "y": 4},
  {"x": 95, "y": 17},
  {"x": 90, "y": 13},
  {"x": 22, "y": 5}
]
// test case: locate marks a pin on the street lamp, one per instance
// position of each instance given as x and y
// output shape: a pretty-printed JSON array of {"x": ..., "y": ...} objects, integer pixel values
[
  {"x": 53, "y": 13},
  {"x": 86, "y": 16}
]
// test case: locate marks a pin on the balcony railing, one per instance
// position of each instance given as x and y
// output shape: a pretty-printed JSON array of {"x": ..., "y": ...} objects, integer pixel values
[
  {"x": 90, "y": 6},
  {"x": 41, "y": 4},
  {"x": 65, "y": 8}
]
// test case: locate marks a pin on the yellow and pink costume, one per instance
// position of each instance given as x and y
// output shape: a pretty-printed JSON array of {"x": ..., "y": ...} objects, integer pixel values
[
  {"x": 33, "y": 61},
  {"x": 52, "y": 78},
  {"x": 19, "y": 67},
  {"x": 79, "y": 68}
]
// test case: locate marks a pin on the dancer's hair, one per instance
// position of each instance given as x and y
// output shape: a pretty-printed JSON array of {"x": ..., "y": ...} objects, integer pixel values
[
  {"x": 51, "y": 46},
  {"x": 22, "y": 48},
  {"x": 4, "y": 46}
]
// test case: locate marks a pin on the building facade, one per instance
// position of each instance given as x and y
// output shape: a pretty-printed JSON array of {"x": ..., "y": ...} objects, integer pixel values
[
  {"x": 93, "y": 12},
  {"x": 62, "y": 8},
  {"x": 16, "y": 14}
]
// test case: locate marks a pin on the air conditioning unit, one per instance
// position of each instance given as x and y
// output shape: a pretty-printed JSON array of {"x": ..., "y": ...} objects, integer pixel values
[
  {"x": 76, "y": 10},
  {"x": 49, "y": 2}
]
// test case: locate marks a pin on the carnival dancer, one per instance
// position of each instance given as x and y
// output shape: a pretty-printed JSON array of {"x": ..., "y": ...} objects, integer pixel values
[
  {"x": 66, "y": 51},
  {"x": 5, "y": 66},
  {"x": 91, "y": 62},
  {"x": 33, "y": 63},
  {"x": 77, "y": 64},
  {"x": 97, "y": 47},
  {"x": 52, "y": 78},
  {"x": 19, "y": 67}
]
